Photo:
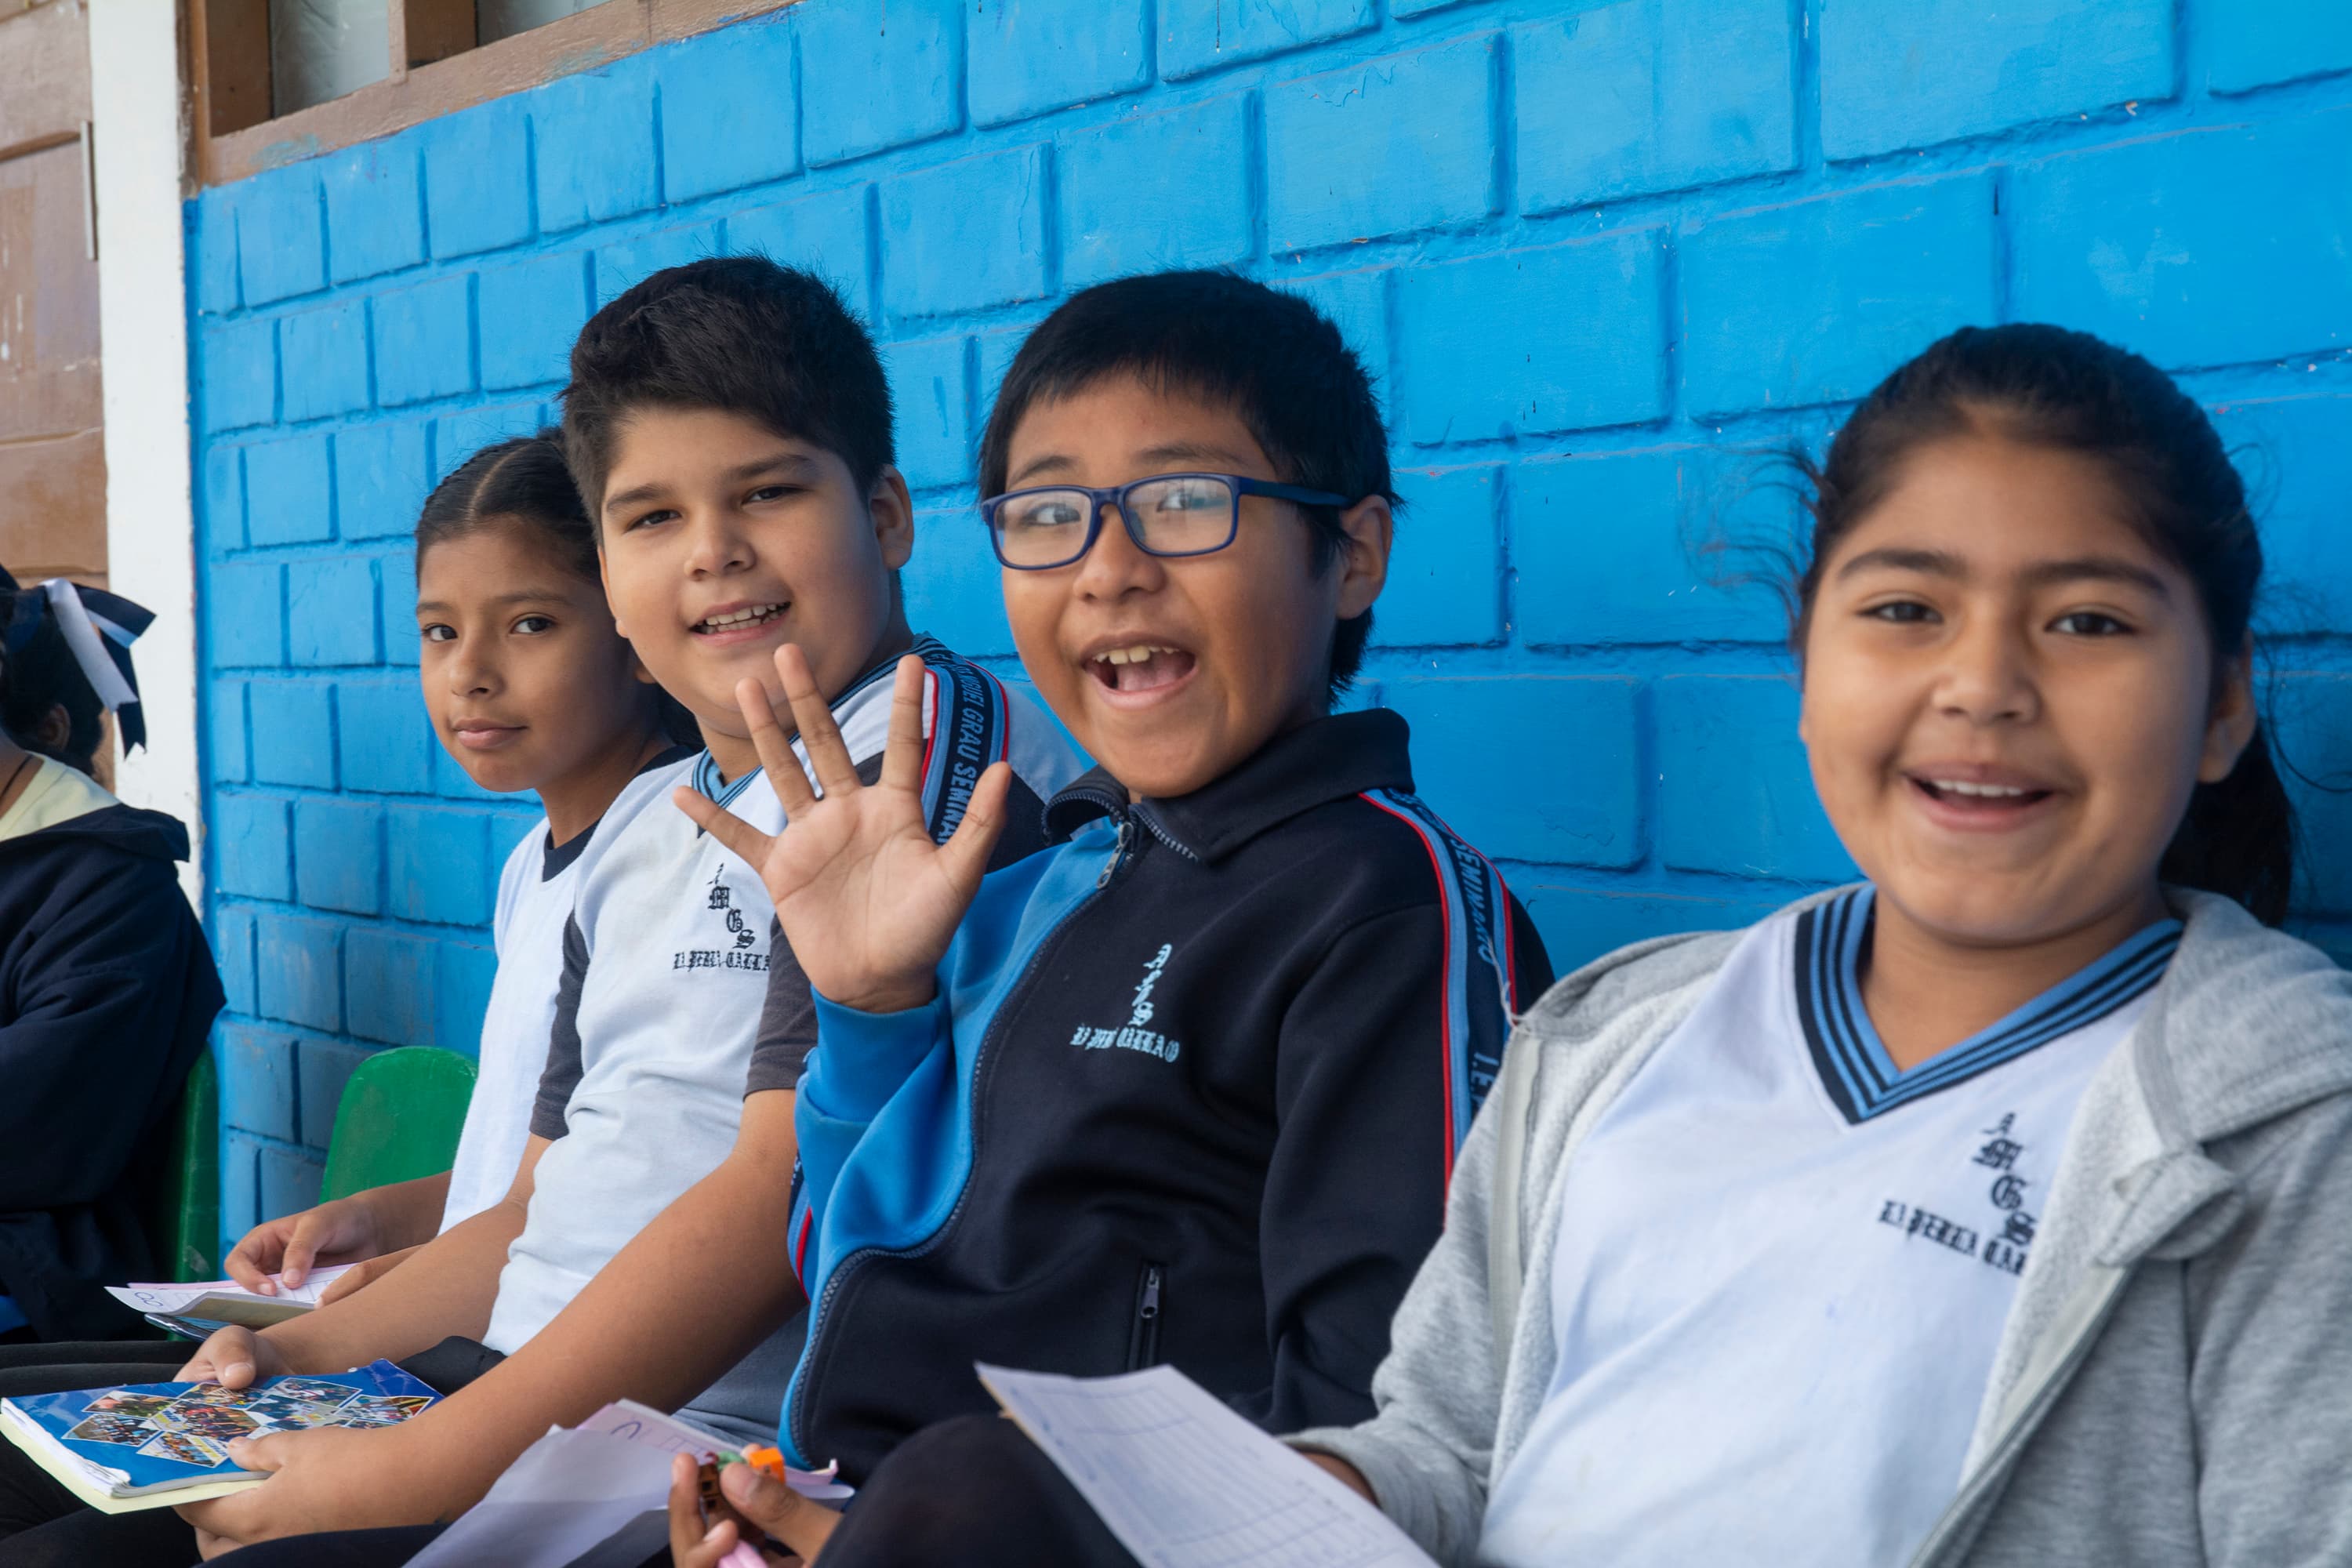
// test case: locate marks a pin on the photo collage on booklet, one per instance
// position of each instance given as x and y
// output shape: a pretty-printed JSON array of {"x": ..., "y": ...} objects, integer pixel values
[{"x": 194, "y": 1427}]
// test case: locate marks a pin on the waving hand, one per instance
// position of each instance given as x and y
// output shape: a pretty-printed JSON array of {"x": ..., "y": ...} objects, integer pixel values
[{"x": 865, "y": 897}]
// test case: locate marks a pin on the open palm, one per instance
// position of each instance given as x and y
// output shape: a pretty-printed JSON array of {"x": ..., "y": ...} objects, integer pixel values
[{"x": 866, "y": 899}]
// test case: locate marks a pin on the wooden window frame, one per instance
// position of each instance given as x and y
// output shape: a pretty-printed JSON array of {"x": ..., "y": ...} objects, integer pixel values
[{"x": 432, "y": 72}]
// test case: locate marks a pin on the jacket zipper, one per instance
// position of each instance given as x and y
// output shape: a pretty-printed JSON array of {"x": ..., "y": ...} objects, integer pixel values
[
  {"x": 1143, "y": 1333},
  {"x": 796, "y": 1390}
]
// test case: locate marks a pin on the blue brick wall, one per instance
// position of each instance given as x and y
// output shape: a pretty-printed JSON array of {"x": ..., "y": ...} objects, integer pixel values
[{"x": 1602, "y": 256}]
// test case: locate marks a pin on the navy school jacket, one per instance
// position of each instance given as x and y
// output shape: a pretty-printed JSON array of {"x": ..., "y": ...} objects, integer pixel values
[
  {"x": 1190, "y": 1092},
  {"x": 107, "y": 989}
]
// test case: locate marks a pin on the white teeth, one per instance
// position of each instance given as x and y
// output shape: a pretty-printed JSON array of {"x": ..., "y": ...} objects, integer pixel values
[
  {"x": 740, "y": 617},
  {"x": 1991, "y": 791},
  {"x": 1140, "y": 654}
]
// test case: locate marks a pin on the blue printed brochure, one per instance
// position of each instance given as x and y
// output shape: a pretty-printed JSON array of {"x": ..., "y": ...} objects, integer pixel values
[{"x": 147, "y": 1445}]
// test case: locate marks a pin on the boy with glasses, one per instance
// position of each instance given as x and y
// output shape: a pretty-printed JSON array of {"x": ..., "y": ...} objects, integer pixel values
[{"x": 1187, "y": 1085}]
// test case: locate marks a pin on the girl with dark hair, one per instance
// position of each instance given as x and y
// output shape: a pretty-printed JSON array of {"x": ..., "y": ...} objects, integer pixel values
[
  {"x": 1988, "y": 1212},
  {"x": 529, "y": 688}
]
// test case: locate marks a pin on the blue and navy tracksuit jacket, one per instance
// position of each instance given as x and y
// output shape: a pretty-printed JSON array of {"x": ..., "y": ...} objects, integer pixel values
[{"x": 1190, "y": 1092}]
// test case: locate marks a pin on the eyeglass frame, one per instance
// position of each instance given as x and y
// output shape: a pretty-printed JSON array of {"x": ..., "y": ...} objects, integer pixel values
[{"x": 1115, "y": 496}]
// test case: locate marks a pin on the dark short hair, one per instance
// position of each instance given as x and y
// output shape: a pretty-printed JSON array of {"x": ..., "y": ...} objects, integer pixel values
[
  {"x": 1282, "y": 368},
  {"x": 736, "y": 333},
  {"x": 2072, "y": 392},
  {"x": 40, "y": 673}
]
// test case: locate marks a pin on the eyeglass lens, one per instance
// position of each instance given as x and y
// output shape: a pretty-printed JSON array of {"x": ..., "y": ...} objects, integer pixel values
[{"x": 1183, "y": 515}]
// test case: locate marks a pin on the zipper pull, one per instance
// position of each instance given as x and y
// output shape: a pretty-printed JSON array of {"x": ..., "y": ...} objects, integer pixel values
[
  {"x": 1117, "y": 853},
  {"x": 1151, "y": 1309}
]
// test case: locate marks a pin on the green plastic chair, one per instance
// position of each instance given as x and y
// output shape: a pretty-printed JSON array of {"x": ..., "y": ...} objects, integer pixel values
[
  {"x": 399, "y": 1119},
  {"x": 184, "y": 1224}
]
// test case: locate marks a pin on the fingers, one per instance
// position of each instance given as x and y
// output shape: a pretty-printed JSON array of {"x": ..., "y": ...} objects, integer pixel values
[
  {"x": 812, "y": 716},
  {"x": 726, "y": 826},
  {"x": 966, "y": 852},
  {"x": 777, "y": 1509},
  {"x": 775, "y": 748},
  {"x": 251, "y": 1261},
  {"x": 310, "y": 1230},
  {"x": 227, "y": 1358},
  {"x": 902, "y": 754},
  {"x": 256, "y": 1454}
]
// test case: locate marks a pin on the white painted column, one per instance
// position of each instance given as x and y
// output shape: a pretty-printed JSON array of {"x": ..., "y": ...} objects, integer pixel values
[{"x": 135, "y": 106}]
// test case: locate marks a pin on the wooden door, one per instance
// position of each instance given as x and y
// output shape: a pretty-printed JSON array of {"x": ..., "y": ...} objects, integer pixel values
[{"x": 52, "y": 462}]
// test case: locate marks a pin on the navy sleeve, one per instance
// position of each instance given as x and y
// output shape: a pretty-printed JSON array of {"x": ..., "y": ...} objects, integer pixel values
[
  {"x": 562, "y": 1074},
  {"x": 110, "y": 993}
]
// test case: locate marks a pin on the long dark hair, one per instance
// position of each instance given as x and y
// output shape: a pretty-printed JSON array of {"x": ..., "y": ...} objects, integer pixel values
[
  {"x": 523, "y": 482},
  {"x": 2078, "y": 393}
]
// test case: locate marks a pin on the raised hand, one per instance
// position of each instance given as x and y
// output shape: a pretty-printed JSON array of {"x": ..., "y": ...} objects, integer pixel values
[{"x": 867, "y": 900}]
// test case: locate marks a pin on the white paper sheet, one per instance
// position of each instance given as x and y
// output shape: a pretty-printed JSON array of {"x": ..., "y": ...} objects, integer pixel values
[
  {"x": 150, "y": 1296},
  {"x": 568, "y": 1491},
  {"x": 1184, "y": 1483}
]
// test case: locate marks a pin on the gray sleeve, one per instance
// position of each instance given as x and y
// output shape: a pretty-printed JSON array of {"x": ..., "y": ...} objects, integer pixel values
[
  {"x": 562, "y": 1074},
  {"x": 1439, "y": 1394}
]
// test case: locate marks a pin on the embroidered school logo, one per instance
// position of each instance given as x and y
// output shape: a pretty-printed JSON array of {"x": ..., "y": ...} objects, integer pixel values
[
  {"x": 739, "y": 936},
  {"x": 1133, "y": 1036},
  {"x": 2004, "y": 1249}
]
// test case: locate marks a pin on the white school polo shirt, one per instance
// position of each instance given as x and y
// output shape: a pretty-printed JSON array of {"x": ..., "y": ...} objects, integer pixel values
[{"x": 1784, "y": 1265}]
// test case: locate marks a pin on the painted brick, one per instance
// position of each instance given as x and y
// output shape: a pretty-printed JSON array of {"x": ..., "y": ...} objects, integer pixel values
[
  {"x": 1574, "y": 734},
  {"x": 240, "y": 1188},
  {"x": 929, "y": 392},
  {"x": 1735, "y": 795},
  {"x": 424, "y": 341},
  {"x": 2311, "y": 730},
  {"x": 330, "y": 612},
  {"x": 290, "y": 743},
  {"x": 1584, "y": 345},
  {"x": 299, "y": 966},
  {"x": 237, "y": 373},
  {"x": 388, "y": 986},
  {"x": 252, "y": 845},
  {"x": 1154, "y": 191},
  {"x": 997, "y": 350},
  {"x": 1197, "y": 36},
  {"x": 1652, "y": 95},
  {"x": 1445, "y": 570},
  {"x": 1358, "y": 304},
  {"x": 457, "y": 437},
  {"x": 441, "y": 866},
  {"x": 1394, "y": 144},
  {"x": 1033, "y": 55},
  {"x": 1911, "y": 73},
  {"x": 2205, "y": 248},
  {"x": 381, "y": 475},
  {"x": 256, "y": 1080},
  {"x": 2255, "y": 46},
  {"x": 383, "y": 738},
  {"x": 1616, "y": 549},
  {"x": 530, "y": 315},
  {"x": 281, "y": 241},
  {"x": 326, "y": 361},
  {"x": 375, "y": 209},
  {"x": 622, "y": 266},
  {"x": 965, "y": 235},
  {"x": 224, "y": 518},
  {"x": 396, "y": 606},
  {"x": 211, "y": 241},
  {"x": 287, "y": 1181},
  {"x": 326, "y": 1066},
  {"x": 290, "y": 492},
  {"x": 1815, "y": 301},
  {"x": 339, "y": 855},
  {"x": 231, "y": 939},
  {"x": 245, "y": 614},
  {"x": 462, "y": 975},
  {"x": 478, "y": 190},
  {"x": 730, "y": 114},
  {"x": 592, "y": 146},
  {"x": 824, "y": 234},
  {"x": 2297, "y": 456},
  {"x": 953, "y": 592},
  {"x": 1581, "y": 924},
  {"x": 224, "y": 706},
  {"x": 874, "y": 81}
]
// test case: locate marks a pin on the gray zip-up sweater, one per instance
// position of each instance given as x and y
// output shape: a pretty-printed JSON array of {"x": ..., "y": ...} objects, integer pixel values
[{"x": 2174, "y": 1384}]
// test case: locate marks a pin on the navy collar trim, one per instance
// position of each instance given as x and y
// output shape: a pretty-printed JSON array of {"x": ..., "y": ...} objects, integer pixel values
[
  {"x": 1330, "y": 758},
  {"x": 1856, "y": 1071}
]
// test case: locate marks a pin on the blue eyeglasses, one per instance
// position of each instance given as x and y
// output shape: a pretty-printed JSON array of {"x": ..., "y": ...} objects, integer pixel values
[{"x": 1167, "y": 514}]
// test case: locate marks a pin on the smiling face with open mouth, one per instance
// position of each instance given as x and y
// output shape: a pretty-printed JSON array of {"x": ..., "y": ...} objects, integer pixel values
[
  {"x": 1171, "y": 670},
  {"x": 2009, "y": 696}
]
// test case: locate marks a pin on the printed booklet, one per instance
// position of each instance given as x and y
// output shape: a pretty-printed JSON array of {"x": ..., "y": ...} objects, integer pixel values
[
  {"x": 150, "y": 1445},
  {"x": 207, "y": 1304}
]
